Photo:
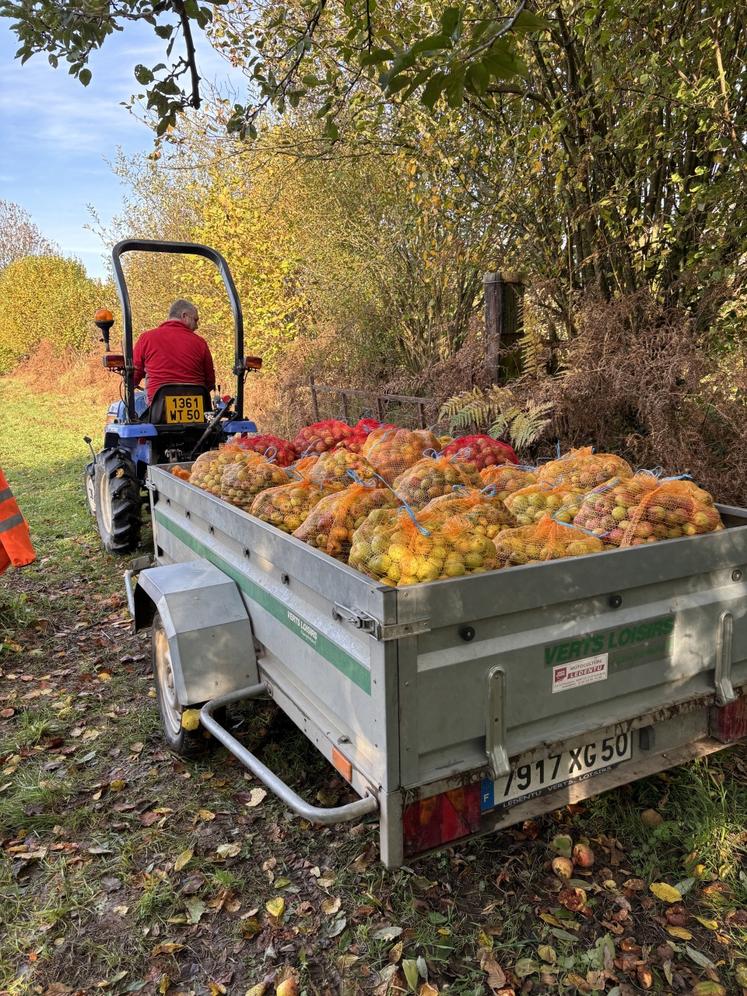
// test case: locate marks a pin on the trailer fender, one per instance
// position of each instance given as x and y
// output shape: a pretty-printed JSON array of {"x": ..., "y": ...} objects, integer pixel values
[{"x": 206, "y": 623}]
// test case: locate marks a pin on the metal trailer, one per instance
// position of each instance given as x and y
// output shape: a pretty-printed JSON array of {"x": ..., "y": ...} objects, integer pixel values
[{"x": 456, "y": 707}]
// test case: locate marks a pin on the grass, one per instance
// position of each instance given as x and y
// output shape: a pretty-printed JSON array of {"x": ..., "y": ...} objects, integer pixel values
[{"x": 94, "y": 813}]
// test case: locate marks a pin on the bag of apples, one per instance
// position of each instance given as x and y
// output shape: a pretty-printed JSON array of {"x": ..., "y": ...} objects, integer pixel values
[
  {"x": 288, "y": 505},
  {"x": 645, "y": 508},
  {"x": 508, "y": 478},
  {"x": 481, "y": 507},
  {"x": 392, "y": 451},
  {"x": 207, "y": 470},
  {"x": 268, "y": 445},
  {"x": 399, "y": 548},
  {"x": 243, "y": 480},
  {"x": 482, "y": 450},
  {"x": 433, "y": 476},
  {"x": 330, "y": 525},
  {"x": 321, "y": 436},
  {"x": 546, "y": 540},
  {"x": 335, "y": 469},
  {"x": 583, "y": 468},
  {"x": 528, "y": 505}
]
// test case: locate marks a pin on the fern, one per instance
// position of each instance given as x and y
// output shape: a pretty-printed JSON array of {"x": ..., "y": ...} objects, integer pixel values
[{"x": 497, "y": 411}]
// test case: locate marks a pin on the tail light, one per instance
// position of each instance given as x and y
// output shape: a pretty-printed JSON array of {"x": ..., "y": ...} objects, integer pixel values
[
  {"x": 441, "y": 818},
  {"x": 113, "y": 361},
  {"x": 729, "y": 722}
]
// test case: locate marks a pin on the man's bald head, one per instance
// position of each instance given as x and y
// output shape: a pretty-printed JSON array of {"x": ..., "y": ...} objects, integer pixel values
[{"x": 185, "y": 312}]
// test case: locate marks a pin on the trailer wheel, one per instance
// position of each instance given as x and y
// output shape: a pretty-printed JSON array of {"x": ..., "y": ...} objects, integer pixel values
[
  {"x": 185, "y": 743},
  {"x": 117, "y": 501},
  {"x": 89, "y": 487}
]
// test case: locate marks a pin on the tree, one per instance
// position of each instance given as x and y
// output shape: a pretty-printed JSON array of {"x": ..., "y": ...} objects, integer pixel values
[{"x": 19, "y": 236}]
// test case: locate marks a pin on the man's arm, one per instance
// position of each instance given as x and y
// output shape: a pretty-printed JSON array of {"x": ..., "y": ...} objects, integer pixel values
[
  {"x": 138, "y": 359},
  {"x": 209, "y": 369}
]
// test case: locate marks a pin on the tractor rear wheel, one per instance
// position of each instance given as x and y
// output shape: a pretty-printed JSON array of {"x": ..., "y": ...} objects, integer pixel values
[{"x": 117, "y": 497}]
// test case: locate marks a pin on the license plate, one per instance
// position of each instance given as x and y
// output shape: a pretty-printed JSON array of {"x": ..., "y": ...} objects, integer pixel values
[
  {"x": 184, "y": 408},
  {"x": 529, "y": 779}
]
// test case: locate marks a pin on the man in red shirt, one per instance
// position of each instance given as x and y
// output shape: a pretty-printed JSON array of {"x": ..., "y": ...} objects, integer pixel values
[{"x": 173, "y": 353}]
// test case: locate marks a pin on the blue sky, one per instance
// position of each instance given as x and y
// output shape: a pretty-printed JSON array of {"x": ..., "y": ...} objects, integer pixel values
[{"x": 57, "y": 137}]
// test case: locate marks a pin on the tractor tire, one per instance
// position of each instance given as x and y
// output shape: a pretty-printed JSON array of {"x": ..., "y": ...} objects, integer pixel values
[
  {"x": 117, "y": 494},
  {"x": 184, "y": 743}
]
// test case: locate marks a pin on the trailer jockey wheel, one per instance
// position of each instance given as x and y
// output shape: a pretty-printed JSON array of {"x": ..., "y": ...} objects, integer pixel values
[
  {"x": 116, "y": 493},
  {"x": 185, "y": 743},
  {"x": 89, "y": 486}
]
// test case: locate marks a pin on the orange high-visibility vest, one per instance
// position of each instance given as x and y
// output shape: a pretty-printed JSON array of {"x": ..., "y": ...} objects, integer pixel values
[{"x": 15, "y": 541}]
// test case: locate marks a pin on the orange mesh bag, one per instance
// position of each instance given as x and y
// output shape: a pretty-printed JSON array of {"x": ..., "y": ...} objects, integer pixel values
[
  {"x": 482, "y": 450},
  {"x": 508, "y": 478},
  {"x": 207, "y": 470},
  {"x": 242, "y": 482},
  {"x": 330, "y": 525},
  {"x": 483, "y": 509},
  {"x": 546, "y": 540},
  {"x": 644, "y": 509},
  {"x": 331, "y": 469},
  {"x": 391, "y": 451},
  {"x": 321, "y": 436},
  {"x": 181, "y": 473},
  {"x": 584, "y": 469},
  {"x": 530, "y": 504},
  {"x": 287, "y": 505},
  {"x": 434, "y": 476},
  {"x": 397, "y": 548}
]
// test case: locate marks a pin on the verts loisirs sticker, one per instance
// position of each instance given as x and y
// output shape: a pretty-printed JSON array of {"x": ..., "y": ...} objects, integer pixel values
[{"x": 594, "y": 656}]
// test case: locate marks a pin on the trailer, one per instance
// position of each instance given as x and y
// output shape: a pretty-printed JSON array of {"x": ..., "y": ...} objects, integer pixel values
[{"x": 456, "y": 707}]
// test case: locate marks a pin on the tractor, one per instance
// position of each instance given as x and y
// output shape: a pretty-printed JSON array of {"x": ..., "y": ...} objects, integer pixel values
[{"x": 182, "y": 420}]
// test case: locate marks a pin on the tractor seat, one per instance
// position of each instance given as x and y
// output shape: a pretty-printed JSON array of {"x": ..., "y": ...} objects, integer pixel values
[{"x": 173, "y": 405}]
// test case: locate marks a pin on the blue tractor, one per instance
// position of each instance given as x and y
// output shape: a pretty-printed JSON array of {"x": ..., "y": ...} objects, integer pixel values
[{"x": 181, "y": 422}]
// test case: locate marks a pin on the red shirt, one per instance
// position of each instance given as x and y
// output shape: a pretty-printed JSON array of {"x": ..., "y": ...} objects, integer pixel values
[{"x": 172, "y": 354}]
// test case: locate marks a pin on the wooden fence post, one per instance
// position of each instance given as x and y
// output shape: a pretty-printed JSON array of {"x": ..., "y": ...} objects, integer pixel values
[{"x": 504, "y": 295}]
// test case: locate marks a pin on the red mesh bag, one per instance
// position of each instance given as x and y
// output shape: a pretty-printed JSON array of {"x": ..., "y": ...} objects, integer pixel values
[
  {"x": 280, "y": 450},
  {"x": 530, "y": 504},
  {"x": 392, "y": 451},
  {"x": 434, "y": 476},
  {"x": 484, "y": 510},
  {"x": 330, "y": 470},
  {"x": 330, "y": 525},
  {"x": 546, "y": 540},
  {"x": 508, "y": 478},
  {"x": 207, "y": 470},
  {"x": 644, "y": 508},
  {"x": 583, "y": 469},
  {"x": 354, "y": 442},
  {"x": 368, "y": 425},
  {"x": 482, "y": 450},
  {"x": 243, "y": 480},
  {"x": 288, "y": 505},
  {"x": 321, "y": 436},
  {"x": 394, "y": 548}
]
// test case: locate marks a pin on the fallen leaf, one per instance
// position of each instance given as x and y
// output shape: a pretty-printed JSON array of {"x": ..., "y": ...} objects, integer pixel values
[
  {"x": 680, "y": 932},
  {"x": 386, "y": 933},
  {"x": 336, "y": 927},
  {"x": 410, "y": 968},
  {"x": 740, "y": 973},
  {"x": 255, "y": 797},
  {"x": 206, "y": 814},
  {"x": 547, "y": 954},
  {"x": 190, "y": 720},
  {"x": 282, "y": 883},
  {"x": 250, "y": 927},
  {"x": 710, "y": 924},
  {"x": 169, "y": 947},
  {"x": 650, "y": 818},
  {"x": 193, "y": 884},
  {"x": 163, "y": 985},
  {"x": 137, "y": 747},
  {"x": 228, "y": 850},
  {"x": 698, "y": 957},
  {"x": 259, "y": 990},
  {"x": 665, "y": 892},
  {"x": 117, "y": 785},
  {"x": 562, "y": 844},
  {"x": 195, "y": 909},
  {"x": 288, "y": 987},
  {"x": 709, "y": 989},
  {"x": 496, "y": 977},
  {"x": 427, "y": 990},
  {"x": 217, "y": 989},
  {"x": 330, "y": 906},
  {"x": 525, "y": 967},
  {"x": 183, "y": 859},
  {"x": 7, "y": 713},
  {"x": 104, "y": 676},
  {"x": 275, "y": 907}
]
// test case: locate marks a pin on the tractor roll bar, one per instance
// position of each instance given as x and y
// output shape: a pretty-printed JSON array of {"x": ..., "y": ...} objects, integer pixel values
[{"x": 189, "y": 249}]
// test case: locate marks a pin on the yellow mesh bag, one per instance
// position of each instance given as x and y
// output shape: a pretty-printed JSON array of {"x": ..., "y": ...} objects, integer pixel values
[
  {"x": 392, "y": 451},
  {"x": 330, "y": 470},
  {"x": 330, "y": 525},
  {"x": 243, "y": 480},
  {"x": 584, "y": 469},
  {"x": 287, "y": 505},
  {"x": 508, "y": 478},
  {"x": 480, "y": 507},
  {"x": 396, "y": 550},
  {"x": 530, "y": 504},
  {"x": 434, "y": 476},
  {"x": 546, "y": 540},
  {"x": 644, "y": 509},
  {"x": 207, "y": 470}
]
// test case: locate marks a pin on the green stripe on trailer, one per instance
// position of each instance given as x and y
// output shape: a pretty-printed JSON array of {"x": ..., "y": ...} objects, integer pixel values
[{"x": 333, "y": 654}]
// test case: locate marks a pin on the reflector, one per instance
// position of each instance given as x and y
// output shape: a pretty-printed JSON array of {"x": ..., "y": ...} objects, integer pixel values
[
  {"x": 729, "y": 722},
  {"x": 441, "y": 818},
  {"x": 113, "y": 361}
]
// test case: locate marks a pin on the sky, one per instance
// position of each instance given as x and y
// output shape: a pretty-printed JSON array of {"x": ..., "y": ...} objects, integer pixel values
[{"x": 58, "y": 138}]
